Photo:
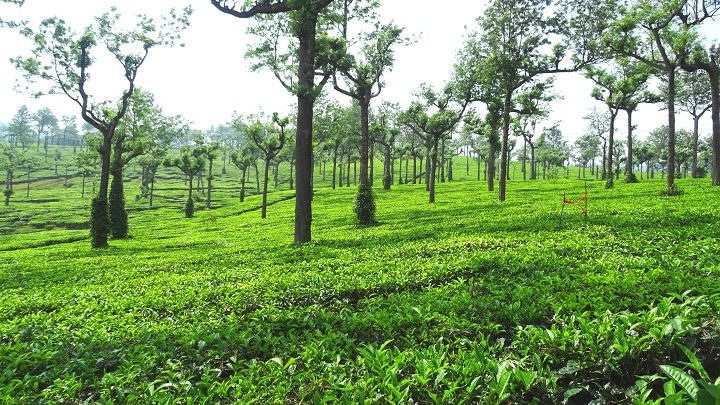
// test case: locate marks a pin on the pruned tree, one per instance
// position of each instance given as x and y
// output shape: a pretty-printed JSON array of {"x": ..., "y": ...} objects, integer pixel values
[
  {"x": 63, "y": 60},
  {"x": 11, "y": 160},
  {"x": 87, "y": 163},
  {"x": 150, "y": 162},
  {"x": 361, "y": 77},
  {"x": 521, "y": 40},
  {"x": 433, "y": 118},
  {"x": 269, "y": 142},
  {"x": 243, "y": 159},
  {"x": 191, "y": 163}
]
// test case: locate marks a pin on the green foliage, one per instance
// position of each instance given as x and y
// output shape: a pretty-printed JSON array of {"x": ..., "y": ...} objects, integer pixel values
[
  {"x": 670, "y": 191},
  {"x": 8, "y": 193},
  {"x": 99, "y": 223},
  {"x": 118, "y": 214},
  {"x": 189, "y": 208},
  {"x": 365, "y": 207},
  {"x": 464, "y": 301},
  {"x": 387, "y": 181},
  {"x": 631, "y": 178}
]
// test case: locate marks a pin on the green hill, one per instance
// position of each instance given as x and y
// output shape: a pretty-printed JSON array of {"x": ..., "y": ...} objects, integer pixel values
[{"x": 461, "y": 301}]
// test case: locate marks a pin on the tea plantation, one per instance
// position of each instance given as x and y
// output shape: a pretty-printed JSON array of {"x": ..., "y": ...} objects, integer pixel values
[{"x": 463, "y": 301}]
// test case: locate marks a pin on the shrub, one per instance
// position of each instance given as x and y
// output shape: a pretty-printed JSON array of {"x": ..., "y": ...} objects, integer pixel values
[
  {"x": 365, "y": 205},
  {"x": 99, "y": 222},
  {"x": 189, "y": 208},
  {"x": 118, "y": 214},
  {"x": 8, "y": 193},
  {"x": 630, "y": 178},
  {"x": 671, "y": 191},
  {"x": 387, "y": 182}
]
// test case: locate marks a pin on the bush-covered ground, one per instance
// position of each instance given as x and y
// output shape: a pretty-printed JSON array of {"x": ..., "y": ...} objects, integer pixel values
[{"x": 463, "y": 301}]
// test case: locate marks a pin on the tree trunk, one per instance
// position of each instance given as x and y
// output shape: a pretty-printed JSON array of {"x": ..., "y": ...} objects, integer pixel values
[
  {"x": 257, "y": 178},
  {"x": 504, "y": 147},
  {"x": 490, "y": 163},
  {"x": 611, "y": 134},
  {"x": 629, "y": 173},
  {"x": 415, "y": 169},
  {"x": 671, "y": 130},
  {"x": 714, "y": 75},
  {"x": 334, "y": 171},
  {"x": 694, "y": 147},
  {"x": 364, "y": 142},
  {"x": 265, "y": 187},
  {"x": 303, "y": 139},
  {"x": 152, "y": 185},
  {"x": 209, "y": 183},
  {"x": 371, "y": 158},
  {"x": 433, "y": 166}
]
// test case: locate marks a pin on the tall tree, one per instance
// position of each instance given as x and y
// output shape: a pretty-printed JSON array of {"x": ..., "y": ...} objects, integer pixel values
[
  {"x": 269, "y": 142},
  {"x": 63, "y": 59},
  {"x": 617, "y": 84},
  {"x": 69, "y": 129},
  {"x": 302, "y": 20},
  {"x": 362, "y": 77},
  {"x": 650, "y": 32},
  {"x": 694, "y": 96},
  {"x": 691, "y": 13},
  {"x": 521, "y": 40},
  {"x": 44, "y": 121},
  {"x": 19, "y": 130}
]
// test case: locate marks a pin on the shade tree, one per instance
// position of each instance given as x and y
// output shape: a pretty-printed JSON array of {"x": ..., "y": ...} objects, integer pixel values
[
  {"x": 660, "y": 34},
  {"x": 69, "y": 130},
  {"x": 20, "y": 130},
  {"x": 269, "y": 140},
  {"x": 694, "y": 96},
  {"x": 11, "y": 160},
  {"x": 553, "y": 150},
  {"x": 521, "y": 40},
  {"x": 703, "y": 57},
  {"x": 359, "y": 76},
  {"x": 619, "y": 84},
  {"x": 62, "y": 61},
  {"x": 300, "y": 19},
  {"x": 433, "y": 117},
  {"x": 44, "y": 120},
  {"x": 598, "y": 125},
  {"x": 587, "y": 147},
  {"x": 191, "y": 164}
]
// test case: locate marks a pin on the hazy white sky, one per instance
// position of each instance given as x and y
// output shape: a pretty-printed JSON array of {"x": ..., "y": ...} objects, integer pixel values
[{"x": 208, "y": 80}]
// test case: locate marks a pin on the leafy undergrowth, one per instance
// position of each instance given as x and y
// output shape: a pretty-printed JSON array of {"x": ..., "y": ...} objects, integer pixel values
[{"x": 462, "y": 301}]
